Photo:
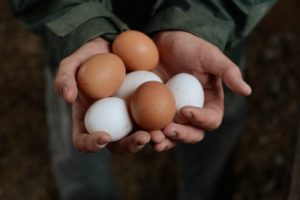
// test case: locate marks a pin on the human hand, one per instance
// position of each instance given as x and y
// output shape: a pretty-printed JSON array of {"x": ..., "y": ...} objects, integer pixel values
[
  {"x": 66, "y": 87},
  {"x": 182, "y": 52}
]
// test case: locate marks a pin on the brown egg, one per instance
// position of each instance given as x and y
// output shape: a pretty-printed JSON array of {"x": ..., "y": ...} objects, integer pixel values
[
  {"x": 101, "y": 75},
  {"x": 137, "y": 50},
  {"x": 152, "y": 106}
]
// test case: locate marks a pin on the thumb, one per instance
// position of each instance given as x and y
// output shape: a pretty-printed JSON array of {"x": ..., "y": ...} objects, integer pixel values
[
  {"x": 223, "y": 67},
  {"x": 65, "y": 81}
]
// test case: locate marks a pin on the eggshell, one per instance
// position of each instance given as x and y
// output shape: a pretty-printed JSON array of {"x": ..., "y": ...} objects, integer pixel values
[
  {"x": 187, "y": 91},
  {"x": 109, "y": 115},
  {"x": 137, "y": 50},
  {"x": 101, "y": 75},
  {"x": 133, "y": 80},
  {"x": 152, "y": 106}
]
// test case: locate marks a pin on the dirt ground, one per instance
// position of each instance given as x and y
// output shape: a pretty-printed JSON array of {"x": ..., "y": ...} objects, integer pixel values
[{"x": 263, "y": 160}]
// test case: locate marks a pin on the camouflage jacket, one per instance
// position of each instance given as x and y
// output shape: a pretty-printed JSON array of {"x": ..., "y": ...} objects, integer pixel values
[{"x": 65, "y": 25}]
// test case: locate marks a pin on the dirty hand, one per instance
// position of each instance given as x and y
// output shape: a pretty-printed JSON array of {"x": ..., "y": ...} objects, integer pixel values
[
  {"x": 182, "y": 52},
  {"x": 66, "y": 87}
]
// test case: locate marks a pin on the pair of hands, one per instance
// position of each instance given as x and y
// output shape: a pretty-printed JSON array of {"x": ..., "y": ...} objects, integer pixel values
[{"x": 179, "y": 52}]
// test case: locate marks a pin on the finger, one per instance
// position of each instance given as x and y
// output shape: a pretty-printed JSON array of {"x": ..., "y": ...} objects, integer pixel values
[
  {"x": 210, "y": 116},
  {"x": 223, "y": 67},
  {"x": 157, "y": 136},
  {"x": 165, "y": 145},
  {"x": 87, "y": 143},
  {"x": 83, "y": 141},
  {"x": 130, "y": 144},
  {"x": 206, "y": 119},
  {"x": 95, "y": 46},
  {"x": 184, "y": 133},
  {"x": 65, "y": 82}
]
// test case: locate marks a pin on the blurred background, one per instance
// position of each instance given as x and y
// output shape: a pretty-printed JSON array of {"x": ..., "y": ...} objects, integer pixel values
[{"x": 264, "y": 160}]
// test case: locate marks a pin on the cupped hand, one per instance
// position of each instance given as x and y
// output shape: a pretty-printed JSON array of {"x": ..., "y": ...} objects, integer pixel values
[
  {"x": 66, "y": 87},
  {"x": 183, "y": 52}
]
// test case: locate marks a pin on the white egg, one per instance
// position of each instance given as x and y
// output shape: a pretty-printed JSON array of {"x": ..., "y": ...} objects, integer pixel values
[
  {"x": 109, "y": 115},
  {"x": 133, "y": 80},
  {"x": 187, "y": 91}
]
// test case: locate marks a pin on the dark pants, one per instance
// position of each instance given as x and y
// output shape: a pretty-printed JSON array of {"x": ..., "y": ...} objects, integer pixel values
[
  {"x": 78, "y": 176},
  {"x": 206, "y": 164}
]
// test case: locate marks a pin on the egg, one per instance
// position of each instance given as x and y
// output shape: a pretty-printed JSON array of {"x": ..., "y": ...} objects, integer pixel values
[
  {"x": 109, "y": 115},
  {"x": 152, "y": 106},
  {"x": 187, "y": 91},
  {"x": 101, "y": 75},
  {"x": 137, "y": 50},
  {"x": 133, "y": 80}
]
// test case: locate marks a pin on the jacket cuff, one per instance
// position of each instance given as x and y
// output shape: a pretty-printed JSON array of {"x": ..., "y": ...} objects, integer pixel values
[
  {"x": 70, "y": 31},
  {"x": 198, "y": 22},
  {"x": 223, "y": 26}
]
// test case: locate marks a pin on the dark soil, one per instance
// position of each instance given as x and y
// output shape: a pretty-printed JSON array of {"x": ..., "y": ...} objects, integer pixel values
[{"x": 263, "y": 160}]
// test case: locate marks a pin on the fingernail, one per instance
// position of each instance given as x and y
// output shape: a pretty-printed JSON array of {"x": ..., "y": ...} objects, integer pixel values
[
  {"x": 140, "y": 145},
  {"x": 102, "y": 145},
  {"x": 188, "y": 114},
  {"x": 99, "y": 147},
  {"x": 173, "y": 134},
  {"x": 167, "y": 148}
]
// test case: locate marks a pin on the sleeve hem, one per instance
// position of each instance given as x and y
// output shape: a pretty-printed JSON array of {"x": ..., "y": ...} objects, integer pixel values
[
  {"x": 71, "y": 20},
  {"x": 216, "y": 32},
  {"x": 62, "y": 46}
]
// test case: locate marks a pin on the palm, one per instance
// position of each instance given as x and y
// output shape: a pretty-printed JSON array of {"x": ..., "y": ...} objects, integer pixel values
[
  {"x": 66, "y": 86},
  {"x": 177, "y": 55},
  {"x": 179, "y": 52},
  {"x": 184, "y": 52}
]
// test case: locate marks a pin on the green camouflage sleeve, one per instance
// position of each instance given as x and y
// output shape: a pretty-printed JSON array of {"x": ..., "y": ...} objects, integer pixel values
[
  {"x": 223, "y": 23},
  {"x": 66, "y": 25}
]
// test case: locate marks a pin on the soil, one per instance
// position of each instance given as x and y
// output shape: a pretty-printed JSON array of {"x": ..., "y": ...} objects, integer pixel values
[{"x": 264, "y": 157}]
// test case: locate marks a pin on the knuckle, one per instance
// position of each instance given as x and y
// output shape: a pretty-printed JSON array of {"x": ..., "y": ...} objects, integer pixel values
[
  {"x": 80, "y": 144},
  {"x": 237, "y": 71},
  {"x": 80, "y": 148},
  {"x": 181, "y": 135},
  {"x": 135, "y": 149},
  {"x": 77, "y": 146},
  {"x": 60, "y": 80},
  {"x": 215, "y": 123},
  {"x": 63, "y": 61},
  {"x": 132, "y": 148},
  {"x": 159, "y": 148},
  {"x": 68, "y": 62},
  {"x": 61, "y": 77},
  {"x": 172, "y": 145},
  {"x": 65, "y": 74},
  {"x": 233, "y": 71}
]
